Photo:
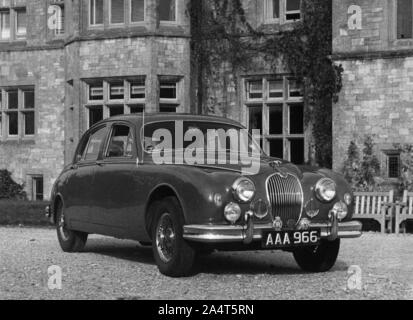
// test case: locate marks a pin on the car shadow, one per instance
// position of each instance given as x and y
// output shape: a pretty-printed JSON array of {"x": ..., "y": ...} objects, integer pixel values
[
  {"x": 129, "y": 251},
  {"x": 218, "y": 263},
  {"x": 245, "y": 263}
]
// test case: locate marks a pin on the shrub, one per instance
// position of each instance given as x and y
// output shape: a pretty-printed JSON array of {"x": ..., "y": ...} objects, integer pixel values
[
  {"x": 362, "y": 174},
  {"x": 9, "y": 189},
  {"x": 406, "y": 159},
  {"x": 352, "y": 164},
  {"x": 21, "y": 212}
]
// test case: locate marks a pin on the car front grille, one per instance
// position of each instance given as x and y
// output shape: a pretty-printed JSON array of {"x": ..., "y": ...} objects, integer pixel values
[{"x": 286, "y": 198}]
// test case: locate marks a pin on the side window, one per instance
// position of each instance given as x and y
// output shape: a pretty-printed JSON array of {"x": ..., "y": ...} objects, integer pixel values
[
  {"x": 94, "y": 144},
  {"x": 152, "y": 133},
  {"x": 120, "y": 143}
]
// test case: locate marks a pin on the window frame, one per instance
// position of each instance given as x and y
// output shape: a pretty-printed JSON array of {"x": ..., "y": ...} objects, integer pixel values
[
  {"x": 265, "y": 104},
  {"x": 396, "y": 24},
  {"x": 106, "y": 103},
  {"x": 33, "y": 179},
  {"x": 131, "y": 22},
  {"x": 171, "y": 22},
  {"x": 248, "y": 91},
  {"x": 17, "y": 35},
  {"x": 10, "y": 37},
  {"x": 95, "y": 25},
  {"x": 286, "y": 12},
  {"x": 170, "y": 102},
  {"x": 268, "y": 9},
  {"x": 20, "y": 111},
  {"x": 282, "y": 19},
  {"x": 389, "y": 154},
  {"x": 109, "y": 138},
  {"x": 89, "y": 136},
  {"x": 60, "y": 19},
  {"x": 125, "y": 9}
]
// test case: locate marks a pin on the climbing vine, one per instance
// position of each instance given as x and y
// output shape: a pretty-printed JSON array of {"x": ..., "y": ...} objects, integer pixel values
[{"x": 222, "y": 35}]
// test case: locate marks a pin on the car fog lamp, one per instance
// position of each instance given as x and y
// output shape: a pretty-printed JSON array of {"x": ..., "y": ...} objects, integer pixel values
[
  {"x": 325, "y": 190},
  {"x": 260, "y": 208},
  {"x": 341, "y": 209},
  {"x": 244, "y": 190},
  {"x": 232, "y": 212}
]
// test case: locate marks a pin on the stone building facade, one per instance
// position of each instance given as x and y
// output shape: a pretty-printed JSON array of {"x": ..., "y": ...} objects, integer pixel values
[
  {"x": 259, "y": 98},
  {"x": 66, "y": 64},
  {"x": 373, "y": 40}
]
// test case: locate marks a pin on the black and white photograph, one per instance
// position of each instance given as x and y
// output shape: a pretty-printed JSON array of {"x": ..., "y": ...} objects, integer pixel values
[{"x": 206, "y": 151}]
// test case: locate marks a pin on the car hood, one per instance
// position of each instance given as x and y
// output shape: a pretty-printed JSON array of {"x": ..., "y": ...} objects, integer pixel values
[{"x": 263, "y": 166}]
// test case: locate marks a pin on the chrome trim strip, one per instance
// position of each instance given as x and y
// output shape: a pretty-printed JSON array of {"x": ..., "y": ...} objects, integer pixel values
[{"x": 227, "y": 233}]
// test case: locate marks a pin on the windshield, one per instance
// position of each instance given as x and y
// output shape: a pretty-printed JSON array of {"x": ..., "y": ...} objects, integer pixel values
[{"x": 209, "y": 136}]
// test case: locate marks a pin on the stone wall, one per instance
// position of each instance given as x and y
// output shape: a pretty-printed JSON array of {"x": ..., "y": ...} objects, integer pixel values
[
  {"x": 44, "y": 154},
  {"x": 377, "y": 95},
  {"x": 377, "y": 100},
  {"x": 58, "y": 65}
]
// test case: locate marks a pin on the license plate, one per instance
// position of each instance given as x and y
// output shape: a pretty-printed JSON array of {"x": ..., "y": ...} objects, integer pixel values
[{"x": 284, "y": 239}]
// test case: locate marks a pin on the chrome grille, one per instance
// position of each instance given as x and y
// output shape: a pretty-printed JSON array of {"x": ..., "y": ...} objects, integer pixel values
[{"x": 286, "y": 198}]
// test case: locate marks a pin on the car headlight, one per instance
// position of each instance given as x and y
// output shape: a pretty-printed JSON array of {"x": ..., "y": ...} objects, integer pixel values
[
  {"x": 341, "y": 209},
  {"x": 243, "y": 189},
  {"x": 232, "y": 212},
  {"x": 325, "y": 189}
]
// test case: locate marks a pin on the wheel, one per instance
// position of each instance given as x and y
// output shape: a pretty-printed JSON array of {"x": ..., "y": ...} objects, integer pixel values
[
  {"x": 320, "y": 258},
  {"x": 173, "y": 255},
  {"x": 69, "y": 240}
]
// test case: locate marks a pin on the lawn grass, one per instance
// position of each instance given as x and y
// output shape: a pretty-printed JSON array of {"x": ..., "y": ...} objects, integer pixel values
[{"x": 20, "y": 212}]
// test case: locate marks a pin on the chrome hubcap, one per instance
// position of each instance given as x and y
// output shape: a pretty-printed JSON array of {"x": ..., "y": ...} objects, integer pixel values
[
  {"x": 165, "y": 238},
  {"x": 62, "y": 226}
]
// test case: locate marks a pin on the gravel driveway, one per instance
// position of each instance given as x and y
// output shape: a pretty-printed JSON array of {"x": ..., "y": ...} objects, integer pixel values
[{"x": 115, "y": 269}]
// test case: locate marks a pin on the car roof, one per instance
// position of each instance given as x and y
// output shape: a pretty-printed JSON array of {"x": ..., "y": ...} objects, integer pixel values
[{"x": 160, "y": 117}]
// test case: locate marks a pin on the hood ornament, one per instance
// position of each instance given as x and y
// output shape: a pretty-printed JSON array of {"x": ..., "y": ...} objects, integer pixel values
[{"x": 275, "y": 164}]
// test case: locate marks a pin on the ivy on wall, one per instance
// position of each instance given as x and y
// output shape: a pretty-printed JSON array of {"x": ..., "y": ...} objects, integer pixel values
[
  {"x": 9, "y": 189},
  {"x": 221, "y": 34}
]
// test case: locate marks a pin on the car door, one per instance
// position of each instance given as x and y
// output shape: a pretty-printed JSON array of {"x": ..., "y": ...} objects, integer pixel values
[
  {"x": 114, "y": 186},
  {"x": 78, "y": 197}
]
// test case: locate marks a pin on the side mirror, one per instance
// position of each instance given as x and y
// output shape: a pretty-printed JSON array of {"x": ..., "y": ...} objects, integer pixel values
[{"x": 78, "y": 157}]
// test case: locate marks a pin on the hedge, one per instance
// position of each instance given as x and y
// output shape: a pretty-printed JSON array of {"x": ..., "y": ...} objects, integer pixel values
[{"x": 22, "y": 212}]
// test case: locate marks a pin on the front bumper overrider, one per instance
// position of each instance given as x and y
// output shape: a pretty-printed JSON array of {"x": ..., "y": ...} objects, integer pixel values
[{"x": 247, "y": 234}]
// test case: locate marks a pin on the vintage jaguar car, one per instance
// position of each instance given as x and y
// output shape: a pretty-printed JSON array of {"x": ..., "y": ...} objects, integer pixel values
[{"x": 116, "y": 187}]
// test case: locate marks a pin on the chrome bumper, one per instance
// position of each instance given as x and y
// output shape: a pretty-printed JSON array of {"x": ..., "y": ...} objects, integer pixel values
[{"x": 220, "y": 234}]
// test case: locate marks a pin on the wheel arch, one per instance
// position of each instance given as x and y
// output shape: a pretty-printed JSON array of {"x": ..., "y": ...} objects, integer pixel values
[
  {"x": 58, "y": 198},
  {"x": 158, "y": 193}
]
